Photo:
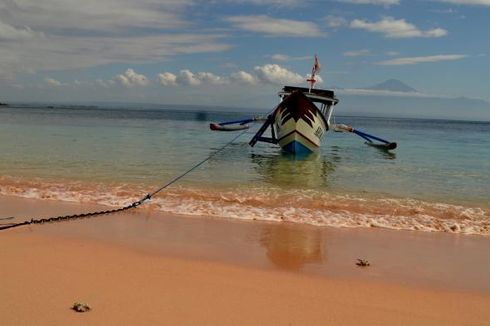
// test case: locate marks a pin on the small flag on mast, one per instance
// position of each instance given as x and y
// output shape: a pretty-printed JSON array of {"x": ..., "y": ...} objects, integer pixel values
[
  {"x": 316, "y": 66},
  {"x": 316, "y": 69}
]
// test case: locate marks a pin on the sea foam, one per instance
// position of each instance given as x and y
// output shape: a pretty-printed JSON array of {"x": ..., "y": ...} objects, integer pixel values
[{"x": 270, "y": 204}]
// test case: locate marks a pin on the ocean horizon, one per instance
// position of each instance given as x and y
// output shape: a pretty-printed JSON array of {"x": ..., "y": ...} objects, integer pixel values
[{"x": 240, "y": 110}]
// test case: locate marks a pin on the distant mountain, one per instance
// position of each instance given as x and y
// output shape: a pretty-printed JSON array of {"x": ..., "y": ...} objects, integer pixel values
[{"x": 393, "y": 85}]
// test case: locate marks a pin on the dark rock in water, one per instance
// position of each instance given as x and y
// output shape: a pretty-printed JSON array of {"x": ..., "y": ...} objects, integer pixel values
[
  {"x": 3, "y": 104},
  {"x": 81, "y": 307}
]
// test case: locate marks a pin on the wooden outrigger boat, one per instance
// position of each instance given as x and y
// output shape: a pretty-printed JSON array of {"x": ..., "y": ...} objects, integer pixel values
[
  {"x": 301, "y": 119},
  {"x": 297, "y": 124}
]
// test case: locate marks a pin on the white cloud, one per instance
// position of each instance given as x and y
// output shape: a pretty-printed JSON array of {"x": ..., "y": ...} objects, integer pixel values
[
  {"x": 10, "y": 33},
  {"x": 209, "y": 78},
  {"x": 393, "y": 53},
  {"x": 417, "y": 60},
  {"x": 336, "y": 21},
  {"x": 266, "y": 74},
  {"x": 280, "y": 57},
  {"x": 285, "y": 57},
  {"x": 357, "y": 53},
  {"x": 372, "y": 2},
  {"x": 59, "y": 52},
  {"x": 243, "y": 77},
  {"x": 187, "y": 77},
  {"x": 72, "y": 34},
  {"x": 275, "y": 74},
  {"x": 95, "y": 15},
  {"x": 468, "y": 2},
  {"x": 167, "y": 79},
  {"x": 276, "y": 27},
  {"x": 396, "y": 28},
  {"x": 131, "y": 78}
]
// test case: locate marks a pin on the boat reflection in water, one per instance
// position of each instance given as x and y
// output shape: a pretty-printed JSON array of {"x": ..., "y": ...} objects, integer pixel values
[
  {"x": 290, "y": 247},
  {"x": 287, "y": 245},
  {"x": 281, "y": 169}
]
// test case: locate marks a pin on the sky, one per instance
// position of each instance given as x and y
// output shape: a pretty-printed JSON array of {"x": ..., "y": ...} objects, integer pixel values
[{"x": 237, "y": 52}]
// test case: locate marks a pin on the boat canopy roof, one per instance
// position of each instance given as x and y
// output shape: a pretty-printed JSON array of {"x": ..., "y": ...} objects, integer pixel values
[{"x": 316, "y": 95}]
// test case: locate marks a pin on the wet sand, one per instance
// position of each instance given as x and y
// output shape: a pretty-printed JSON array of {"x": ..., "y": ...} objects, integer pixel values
[{"x": 144, "y": 268}]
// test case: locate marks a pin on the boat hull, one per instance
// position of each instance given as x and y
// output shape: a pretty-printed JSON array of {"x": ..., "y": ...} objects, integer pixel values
[{"x": 299, "y": 125}]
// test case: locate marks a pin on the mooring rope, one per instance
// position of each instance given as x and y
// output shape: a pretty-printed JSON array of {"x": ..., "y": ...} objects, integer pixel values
[{"x": 121, "y": 209}]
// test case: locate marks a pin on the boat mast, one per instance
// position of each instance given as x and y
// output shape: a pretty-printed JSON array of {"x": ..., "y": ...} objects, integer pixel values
[{"x": 314, "y": 71}]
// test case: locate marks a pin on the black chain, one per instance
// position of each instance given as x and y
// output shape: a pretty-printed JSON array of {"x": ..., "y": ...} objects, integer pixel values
[
  {"x": 75, "y": 216},
  {"x": 121, "y": 209}
]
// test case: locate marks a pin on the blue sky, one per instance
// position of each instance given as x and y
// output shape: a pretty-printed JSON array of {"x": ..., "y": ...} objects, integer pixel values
[{"x": 241, "y": 51}]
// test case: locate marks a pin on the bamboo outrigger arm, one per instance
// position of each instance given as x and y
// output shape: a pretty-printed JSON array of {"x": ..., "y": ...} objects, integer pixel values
[
  {"x": 258, "y": 136},
  {"x": 385, "y": 144}
]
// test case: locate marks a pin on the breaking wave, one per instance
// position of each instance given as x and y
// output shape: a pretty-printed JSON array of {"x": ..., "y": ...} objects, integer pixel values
[{"x": 270, "y": 204}]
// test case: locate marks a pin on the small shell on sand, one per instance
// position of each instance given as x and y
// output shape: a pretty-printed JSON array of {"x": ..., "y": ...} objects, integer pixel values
[
  {"x": 81, "y": 307},
  {"x": 362, "y": 263}
]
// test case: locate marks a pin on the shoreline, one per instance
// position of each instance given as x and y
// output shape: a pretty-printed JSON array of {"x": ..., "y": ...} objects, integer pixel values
[
  {"x": 146, "y": 267},
  {"x": 442, "y": 260},
  {"x": 324, "y": 209}
]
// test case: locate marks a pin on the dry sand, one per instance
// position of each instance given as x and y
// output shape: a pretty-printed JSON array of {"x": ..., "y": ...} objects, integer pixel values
[{"x": 145, "y": 269}]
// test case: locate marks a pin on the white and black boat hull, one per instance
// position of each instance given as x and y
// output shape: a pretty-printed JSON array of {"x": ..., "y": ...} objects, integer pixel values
[{"x": 298, "y": 124}]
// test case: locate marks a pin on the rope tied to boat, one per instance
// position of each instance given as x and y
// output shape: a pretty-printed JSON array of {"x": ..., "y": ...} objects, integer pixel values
[{"x": 133, "y": 205}]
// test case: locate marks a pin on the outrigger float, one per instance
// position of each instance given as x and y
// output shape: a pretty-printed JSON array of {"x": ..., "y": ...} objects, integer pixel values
[{"x": 300, "y": 120}]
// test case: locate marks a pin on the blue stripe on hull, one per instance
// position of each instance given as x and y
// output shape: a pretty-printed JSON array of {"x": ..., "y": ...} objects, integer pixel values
[{"x": 296, "y": 147}]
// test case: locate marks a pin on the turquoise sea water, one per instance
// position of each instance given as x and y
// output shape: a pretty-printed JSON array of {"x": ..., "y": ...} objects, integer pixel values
[{"x": 437, "y": 180}]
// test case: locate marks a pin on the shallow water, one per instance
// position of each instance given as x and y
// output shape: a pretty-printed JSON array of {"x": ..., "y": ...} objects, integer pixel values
[{"x": 437, "y": 180}]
